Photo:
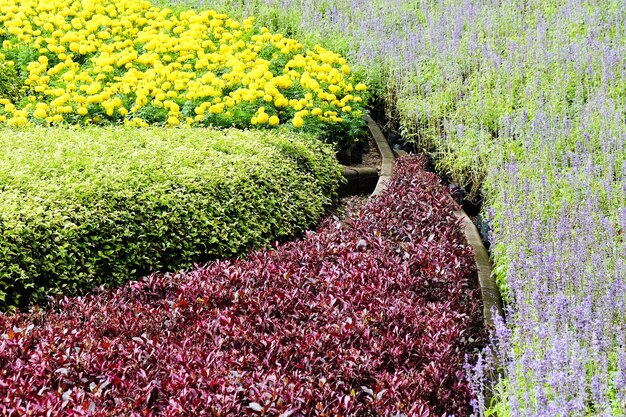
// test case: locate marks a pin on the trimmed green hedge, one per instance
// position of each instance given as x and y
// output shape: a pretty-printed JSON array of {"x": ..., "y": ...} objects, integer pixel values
[{"x": 81, "y": 208}]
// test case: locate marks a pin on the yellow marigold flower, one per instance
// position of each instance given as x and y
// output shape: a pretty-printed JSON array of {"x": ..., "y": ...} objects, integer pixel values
[
  {"x": 316, "y": 111},
  {"x": 297, "y": 122},
  {"x": 93, "y": 88},
  {"x": 281, "y": 102},
  {"x": 40, "y": 113},
  {"x": 262, "y": 118},
  {"x": 17, "y": 121},
  {"x": 216, "y": 108},
  {"x": 360, "y": 87},
  {"x": 274, "y": 121},
  {"x": 82, "y": 110}
]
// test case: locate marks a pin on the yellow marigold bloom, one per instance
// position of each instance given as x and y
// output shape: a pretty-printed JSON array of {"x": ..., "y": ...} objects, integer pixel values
[
  {"x": 360, "y": 87},
  {"x": 17, "y": 121},
  {"x": 40, "y": 113},
  {"x": 216, "y": 108},
  {"x": 316, "y": 111},
  {"x": 262, "y": 118},
  {"x": 281, "y": 102},
  {"x": 93, "y": 88},
  {"x": 82, "y": 110},
  {"x": 297, "y": 122},
  {"x": 273, "y": 121}
]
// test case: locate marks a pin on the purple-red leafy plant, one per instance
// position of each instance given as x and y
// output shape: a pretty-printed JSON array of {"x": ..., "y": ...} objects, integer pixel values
[{"x": 371, "y": 315}]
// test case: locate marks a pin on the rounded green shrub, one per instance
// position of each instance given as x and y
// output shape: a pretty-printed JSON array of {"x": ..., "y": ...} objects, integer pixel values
[{"x": 89, "y": 207}]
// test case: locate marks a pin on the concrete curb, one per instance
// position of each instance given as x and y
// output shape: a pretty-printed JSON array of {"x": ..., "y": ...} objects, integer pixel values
[
  {"x": 488, "y": 288},
  {"x": 386, "y": 169}
]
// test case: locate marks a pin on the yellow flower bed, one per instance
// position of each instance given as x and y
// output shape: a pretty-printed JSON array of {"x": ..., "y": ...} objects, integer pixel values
[{"x": 108, "y": 61}]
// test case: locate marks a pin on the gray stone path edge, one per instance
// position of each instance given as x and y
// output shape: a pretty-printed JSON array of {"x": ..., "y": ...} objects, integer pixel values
[{"x": 386, "y": 169}]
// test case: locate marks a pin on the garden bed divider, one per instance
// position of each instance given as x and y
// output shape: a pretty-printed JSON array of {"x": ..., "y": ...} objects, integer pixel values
[{"x": 386, "y": 154}]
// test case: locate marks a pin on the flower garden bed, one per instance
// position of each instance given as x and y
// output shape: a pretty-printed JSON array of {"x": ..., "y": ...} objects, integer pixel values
[
  {"x": 124, "y": 61},
  {"x": 372, "y": 315}
]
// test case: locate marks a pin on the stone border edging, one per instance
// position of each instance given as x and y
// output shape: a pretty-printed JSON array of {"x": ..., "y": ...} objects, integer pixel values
[
  {"x": 386, "y": 154},
  {"x": 488, "y": 288}
]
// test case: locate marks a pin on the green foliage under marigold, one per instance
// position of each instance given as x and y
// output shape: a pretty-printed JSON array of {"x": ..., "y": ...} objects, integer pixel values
[
  {"x": 10, "y": 84},
  {"x": 98, "y": 206}
]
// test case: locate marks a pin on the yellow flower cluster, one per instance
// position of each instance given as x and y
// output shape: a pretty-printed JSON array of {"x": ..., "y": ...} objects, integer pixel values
[{"x": 95, "y": 61}]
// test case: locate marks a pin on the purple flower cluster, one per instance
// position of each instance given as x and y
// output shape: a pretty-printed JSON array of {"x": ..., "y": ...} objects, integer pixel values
[
  {"x": 372, "y": 314},
  {"x": 560, "y": 224}
]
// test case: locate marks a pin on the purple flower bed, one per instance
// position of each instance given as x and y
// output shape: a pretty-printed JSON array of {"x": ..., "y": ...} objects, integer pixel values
[{"x": 369, "y": 316}]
